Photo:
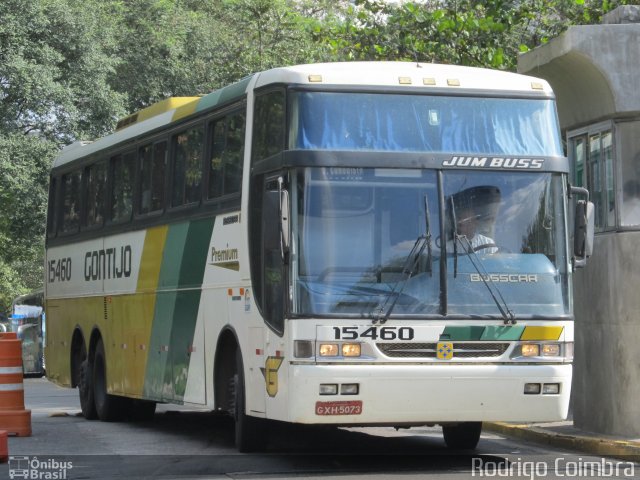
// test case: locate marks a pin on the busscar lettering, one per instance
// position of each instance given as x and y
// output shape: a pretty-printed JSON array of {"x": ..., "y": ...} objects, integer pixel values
[
  {"x": 505, "y": 278},
  {"x": 494, "y": 162},
  {"x": 108, "y": 263}
]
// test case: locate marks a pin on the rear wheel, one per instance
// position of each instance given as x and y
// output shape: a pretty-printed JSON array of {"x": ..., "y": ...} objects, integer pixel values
[
  {"x": 463, "y": 436},
  {"x": 85, "y": 391},
  {"x": 251, "y": 432},
  {"x": 108, "y": 407}
]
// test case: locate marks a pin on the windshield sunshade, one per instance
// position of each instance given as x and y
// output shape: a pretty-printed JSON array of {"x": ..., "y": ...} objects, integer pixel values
[{"x": 421, "y": 123}]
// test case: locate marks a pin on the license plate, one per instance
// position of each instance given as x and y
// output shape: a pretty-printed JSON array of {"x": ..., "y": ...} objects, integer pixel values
[{"x": 339, "y": 408}]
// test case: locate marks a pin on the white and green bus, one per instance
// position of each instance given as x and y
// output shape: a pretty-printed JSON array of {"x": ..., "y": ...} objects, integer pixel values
[{"x": 342, "y": 244}]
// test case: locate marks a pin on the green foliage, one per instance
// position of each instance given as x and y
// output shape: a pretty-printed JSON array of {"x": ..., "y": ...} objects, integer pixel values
[{"x": 24, "y": 164}]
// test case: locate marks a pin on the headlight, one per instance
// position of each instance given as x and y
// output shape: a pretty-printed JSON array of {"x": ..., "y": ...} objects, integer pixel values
[
  {"x": 530, "y": 350},
  {"x": 540, "y": 350},
  {"x": 328, "y": 349},
  {"x": 350, "y": 349}
]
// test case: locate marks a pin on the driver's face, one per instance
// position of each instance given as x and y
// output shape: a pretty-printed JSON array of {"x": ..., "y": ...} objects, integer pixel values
[{"x": 466, "y": 222}]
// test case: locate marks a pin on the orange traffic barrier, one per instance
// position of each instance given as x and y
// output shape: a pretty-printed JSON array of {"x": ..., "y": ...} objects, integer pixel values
[
  {"x": 4, "y": 447},
  {"x": 13, "y": 416}
]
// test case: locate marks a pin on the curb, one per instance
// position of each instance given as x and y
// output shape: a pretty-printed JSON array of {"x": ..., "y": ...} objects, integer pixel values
[{"x": 605, "y": 447}]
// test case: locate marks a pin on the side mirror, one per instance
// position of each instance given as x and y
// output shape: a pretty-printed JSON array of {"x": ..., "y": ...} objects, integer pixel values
[
  {"x": 284, "y": 219},
  {"x": 583, "y": 233}
]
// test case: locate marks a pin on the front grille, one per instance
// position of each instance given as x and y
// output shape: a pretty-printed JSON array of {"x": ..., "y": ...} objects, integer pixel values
[{"x": 428, "y": 350}]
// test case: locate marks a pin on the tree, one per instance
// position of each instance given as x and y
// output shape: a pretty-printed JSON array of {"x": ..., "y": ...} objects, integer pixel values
[
  {"x": 484, "y": 33},
  {"x": 55, "y": 59}
]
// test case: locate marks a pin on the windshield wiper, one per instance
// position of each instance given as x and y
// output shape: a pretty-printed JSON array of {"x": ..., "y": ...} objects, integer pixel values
[
  {"x": 508, "y": 315},
  {"x": 409, "y": 268}
]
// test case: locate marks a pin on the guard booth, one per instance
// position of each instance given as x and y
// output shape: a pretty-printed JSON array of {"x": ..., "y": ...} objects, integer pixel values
[
  {"x": 595, "y": 71},
  {"x": 28, "y": 321}
]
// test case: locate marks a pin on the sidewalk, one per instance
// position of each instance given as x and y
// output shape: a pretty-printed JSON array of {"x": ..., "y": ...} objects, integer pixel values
[{"x": 566, "y": 435}]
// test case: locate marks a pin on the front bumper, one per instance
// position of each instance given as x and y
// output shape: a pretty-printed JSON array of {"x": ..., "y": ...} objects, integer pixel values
[{"x": 422, "y": 394}]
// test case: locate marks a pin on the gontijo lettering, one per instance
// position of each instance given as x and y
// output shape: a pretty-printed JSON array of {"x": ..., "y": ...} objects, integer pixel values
[{"x": 107, "y": 263}]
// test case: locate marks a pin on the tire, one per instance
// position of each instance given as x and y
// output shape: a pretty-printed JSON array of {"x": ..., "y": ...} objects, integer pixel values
[
  {"x": 463, "y": 436},
  {"x": 85, "y": 391},
  {"x": 109, "y": 408},
  {"x": 250, "y": 432}
]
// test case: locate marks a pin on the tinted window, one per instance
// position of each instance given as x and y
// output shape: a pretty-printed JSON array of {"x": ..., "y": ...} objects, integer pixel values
[
  {"x": 187, "y": 171},
  {"x": 51, "y": 218},
  {"x": 268, "y": 125},
  {"x": 71, "y": 201},
  {"x": 96, "y": 181},
  {"x": 123, "y": 168},
  {"x": 152, "y": 165},
  {"x": 225, "y": 165}
]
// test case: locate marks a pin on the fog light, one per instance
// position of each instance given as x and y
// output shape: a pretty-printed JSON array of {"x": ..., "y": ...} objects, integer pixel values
[
  {"x": 349, "y": 389},
  {"x": 328, "y": 349},
  {"x": 531, "y": 388},
  {"x": 351, "y": 350},
  {"x": 551, "y": 350},
  {"x": 302, "y": 349},
  {"x": 530, "y": 350},
  {"x": 551, "y": 389},
  {"x": 328, "y": 389}
]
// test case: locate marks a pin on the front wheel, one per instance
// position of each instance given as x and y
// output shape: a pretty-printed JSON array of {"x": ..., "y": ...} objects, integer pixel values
[
  {"x": 463, "y": 436},
  {"x": 251, "y": 432}
]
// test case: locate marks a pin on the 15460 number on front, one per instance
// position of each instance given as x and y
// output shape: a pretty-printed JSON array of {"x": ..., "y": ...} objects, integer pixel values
[{"x": 374, "y": 333}]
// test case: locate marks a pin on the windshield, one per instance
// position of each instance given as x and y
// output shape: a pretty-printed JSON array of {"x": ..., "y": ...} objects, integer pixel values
[
  {"x": 355, "y": 229},
  {"x": 424, "y": 123}
]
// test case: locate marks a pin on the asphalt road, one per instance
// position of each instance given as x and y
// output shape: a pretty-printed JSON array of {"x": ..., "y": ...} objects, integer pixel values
[{"x": 191, "y": 443}]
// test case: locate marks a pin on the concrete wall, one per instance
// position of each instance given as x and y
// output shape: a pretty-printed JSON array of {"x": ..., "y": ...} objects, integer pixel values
[
  {"x": 595, "y": 73},
  {"x": 606, "y": 378}
]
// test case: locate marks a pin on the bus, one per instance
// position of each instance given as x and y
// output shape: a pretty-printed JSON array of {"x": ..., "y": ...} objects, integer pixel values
[
  {"x": 366, "y": 243},
  {"x": 28, "y": 322}
]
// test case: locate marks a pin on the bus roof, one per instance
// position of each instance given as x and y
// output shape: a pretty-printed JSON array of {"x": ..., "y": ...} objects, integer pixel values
[{"x": 375, "y": 74}]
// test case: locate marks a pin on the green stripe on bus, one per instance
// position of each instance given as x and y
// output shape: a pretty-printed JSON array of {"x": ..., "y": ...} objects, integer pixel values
[
  {"x": 462, "y": 333},
  {"x": 181, "y": 275},
  {"x": 224, "y": 95},
  {"x": 192, "y": 269},
  {"x": 502, "y": 333}
]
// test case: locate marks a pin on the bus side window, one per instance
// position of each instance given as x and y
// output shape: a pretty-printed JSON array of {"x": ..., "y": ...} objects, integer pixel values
[
  {"x": 122, "y": 171},
  {"x": 187, "y": 167},
  {"x": 51, "y": 209},
  {"x": 71, "y": 183},
  {"x": 225, "y": 165},
  {"x": 152, "y": 168},
  {"x": 268, "y": 125},
  {"x": 96, "y": 175}
]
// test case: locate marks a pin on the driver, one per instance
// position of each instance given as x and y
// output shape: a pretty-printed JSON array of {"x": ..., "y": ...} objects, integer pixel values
[{"x": 475, "y": 210}]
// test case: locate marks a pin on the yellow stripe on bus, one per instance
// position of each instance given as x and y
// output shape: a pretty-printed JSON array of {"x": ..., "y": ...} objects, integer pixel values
[
  {"x": 541, "y": 333},
  {"x": 152, "y": 259},
  {"x": 185, "y": 110}
]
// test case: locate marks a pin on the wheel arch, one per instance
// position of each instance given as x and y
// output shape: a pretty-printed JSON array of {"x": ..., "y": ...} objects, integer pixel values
[
  {"x": 224, "y": 367},
  {"x": 77, "y": 354}
]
